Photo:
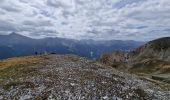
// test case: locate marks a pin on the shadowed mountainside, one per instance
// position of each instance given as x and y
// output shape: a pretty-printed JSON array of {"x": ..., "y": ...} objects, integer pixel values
[{"x": 17, "y": 45}]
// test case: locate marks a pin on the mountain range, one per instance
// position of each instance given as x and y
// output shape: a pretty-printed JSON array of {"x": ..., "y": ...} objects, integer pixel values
[{"x": 18, "y": 45}]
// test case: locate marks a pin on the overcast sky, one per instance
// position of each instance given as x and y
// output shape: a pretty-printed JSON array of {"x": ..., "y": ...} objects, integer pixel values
[{"x": 86, "y": 19}]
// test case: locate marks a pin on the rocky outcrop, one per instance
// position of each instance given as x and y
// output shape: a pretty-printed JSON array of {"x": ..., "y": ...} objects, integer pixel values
[
  {"x": 115, "y": 56},
  {"x": 116, "y": 59},
  {"x": 151, "y": 57}
]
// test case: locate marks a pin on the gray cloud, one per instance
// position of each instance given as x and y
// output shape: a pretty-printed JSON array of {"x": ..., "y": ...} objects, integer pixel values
[
  {"x": 7, "y": 26},
  {"x": 84, "y": 19},
  {"x": 10, "y": 9},
  {"x": 57, "y": 4},
  {"x": 37, "y": 23},
  {"x": 123, "y": 3},
  {"x": 8, "y": 6}
]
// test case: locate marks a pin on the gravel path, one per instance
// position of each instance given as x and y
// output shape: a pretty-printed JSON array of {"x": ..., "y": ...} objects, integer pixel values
[{"x": 69, "y": 77}]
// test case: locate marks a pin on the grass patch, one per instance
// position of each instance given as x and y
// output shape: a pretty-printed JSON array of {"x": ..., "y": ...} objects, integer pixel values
[
  {"x": 18, "y": 67},
  {"x": 18, "y": 61},
  {"x": 150, "y": 66}
]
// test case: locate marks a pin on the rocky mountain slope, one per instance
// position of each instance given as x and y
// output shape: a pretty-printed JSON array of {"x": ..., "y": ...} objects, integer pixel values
[
  {"x": 153, "y": 58},
  {"x": 63, "y": 77},
  {"x": 156, "y": 49}
]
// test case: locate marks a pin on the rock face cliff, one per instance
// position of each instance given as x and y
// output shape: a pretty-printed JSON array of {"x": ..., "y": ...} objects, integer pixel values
[{"x": 63, "y": 77}]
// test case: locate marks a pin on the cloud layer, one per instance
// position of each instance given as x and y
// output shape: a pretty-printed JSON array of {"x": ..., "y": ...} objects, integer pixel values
[{"x": 86, "y": 19}]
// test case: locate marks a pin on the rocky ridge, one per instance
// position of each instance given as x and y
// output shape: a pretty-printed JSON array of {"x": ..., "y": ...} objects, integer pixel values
[{"x": 69, "y": 77}]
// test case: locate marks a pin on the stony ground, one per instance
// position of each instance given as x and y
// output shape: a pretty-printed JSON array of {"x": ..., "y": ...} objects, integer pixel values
[{"x": 68, "y": 77}]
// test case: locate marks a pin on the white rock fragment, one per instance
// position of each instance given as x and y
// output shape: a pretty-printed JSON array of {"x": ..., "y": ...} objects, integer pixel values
[
  {"x": 51, "y": 97},
  {"x": 83, "y": 97},
  {"x": 127, "y": 96},
  {"x": 67, "y": 92},
  {"x": 25, "y": 97},
  {"x": 1, "y": 97},
  {"x": 105, "y": 97},
  {"x": 72, "y": 84},
  {"x": 104, "y": 82},
  {"x": 116, "y": 98},
  {"x": 119, "y": 98},
  {"x": 149, "y": 90}
]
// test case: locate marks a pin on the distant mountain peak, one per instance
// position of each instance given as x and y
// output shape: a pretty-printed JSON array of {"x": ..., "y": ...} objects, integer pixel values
[
  {"x": 13, "y": 34},
  {"x": 18, "y": 36}
]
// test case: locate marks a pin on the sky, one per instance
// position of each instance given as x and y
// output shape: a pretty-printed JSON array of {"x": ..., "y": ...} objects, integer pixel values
[{"x": 86, "y": 19}]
